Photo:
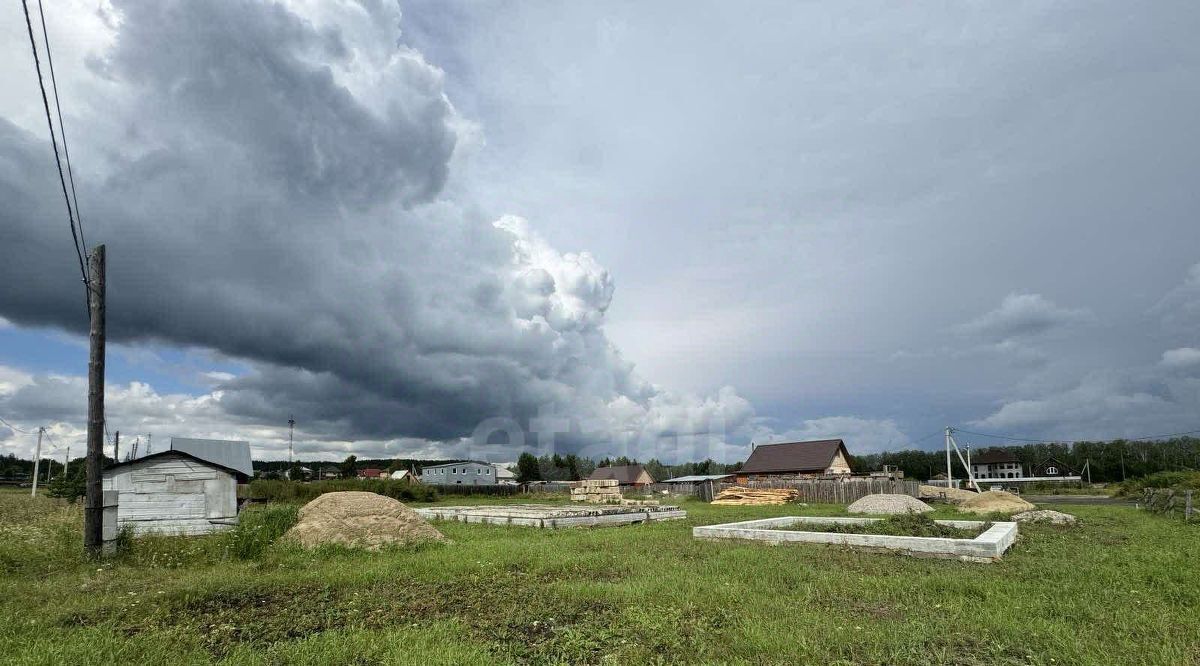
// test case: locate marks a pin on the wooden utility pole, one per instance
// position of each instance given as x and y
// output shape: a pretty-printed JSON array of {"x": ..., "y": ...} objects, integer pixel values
[
  {"x": 116, "y": 446},
  {"x": 37, "y": 460},
  {"x": 93, "y": 506}
]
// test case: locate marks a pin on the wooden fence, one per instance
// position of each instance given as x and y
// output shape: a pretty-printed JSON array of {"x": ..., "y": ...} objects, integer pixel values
[
  {"x": 1168, "y": 501},
  {"x": 835, "y": 491}
]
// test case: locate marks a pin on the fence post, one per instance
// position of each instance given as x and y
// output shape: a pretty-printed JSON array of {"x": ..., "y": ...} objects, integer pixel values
[{"x": 1187, "y": 508}]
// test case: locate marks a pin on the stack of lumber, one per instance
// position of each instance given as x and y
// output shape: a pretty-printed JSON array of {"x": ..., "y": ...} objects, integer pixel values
[
  {"x": 738, "y": 496},
  {"x": 605, "y": 491}
]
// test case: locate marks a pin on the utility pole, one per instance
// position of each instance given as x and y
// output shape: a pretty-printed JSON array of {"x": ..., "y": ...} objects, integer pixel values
[
  {"x": 66, "y": 461},
  {"x": 949, "y": 470},
  {"x": 291, "y": 430},
  {"x": 37, "y": 460},
  {"x": 94, "y": 507},
  {"x": 116, "y": 446},
  {"x": 149, "y": 440}
]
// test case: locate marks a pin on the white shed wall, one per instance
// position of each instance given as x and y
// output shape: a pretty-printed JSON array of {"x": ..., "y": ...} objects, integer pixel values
[{"x": 173, "y": 494}]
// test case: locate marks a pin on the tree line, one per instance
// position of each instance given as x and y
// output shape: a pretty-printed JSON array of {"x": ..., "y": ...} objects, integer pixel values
[{"x": 1109, "y": 461}]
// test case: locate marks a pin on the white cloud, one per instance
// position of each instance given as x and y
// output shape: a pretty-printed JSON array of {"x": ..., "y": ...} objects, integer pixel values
[
  {"x": 1022, "y": 317},
  {"x": 1183, "y": 357}
]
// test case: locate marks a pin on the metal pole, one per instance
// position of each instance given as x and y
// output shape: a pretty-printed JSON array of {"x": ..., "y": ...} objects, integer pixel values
[
  {"x": 949, "y": 471},
  {"x": 93, "y": 507},
  {"x": 37, "y": 460}
]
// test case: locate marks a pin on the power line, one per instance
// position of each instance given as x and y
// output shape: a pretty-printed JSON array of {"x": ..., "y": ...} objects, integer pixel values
[
  {"x": 1073, "y": 441},
  {"x": 62, "y": 128},
  {"x": 20, "y": 430},
  {"x": 54, "y": 142}
]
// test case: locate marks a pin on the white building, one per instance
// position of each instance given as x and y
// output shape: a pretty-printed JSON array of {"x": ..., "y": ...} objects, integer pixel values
[
  {"x": 505, "y": 476},
  {"x": 467, "y": 473},
  {"x": 190, "y": 488},
  {"x": 996, "y": 465}
]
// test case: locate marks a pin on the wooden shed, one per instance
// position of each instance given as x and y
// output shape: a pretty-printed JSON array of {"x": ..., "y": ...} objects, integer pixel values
[{"x": 190, "y": 488}]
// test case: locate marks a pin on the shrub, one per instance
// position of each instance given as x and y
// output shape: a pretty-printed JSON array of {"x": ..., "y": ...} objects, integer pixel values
[
  {"x": 291, "y": 491},
  {"x": 1176, "y": 480}
]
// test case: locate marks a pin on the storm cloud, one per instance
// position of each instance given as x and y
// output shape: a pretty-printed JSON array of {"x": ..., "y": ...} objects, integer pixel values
[{"x": 270, "y": 185}]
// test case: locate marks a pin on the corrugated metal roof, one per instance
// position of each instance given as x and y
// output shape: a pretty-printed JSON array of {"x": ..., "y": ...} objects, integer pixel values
[
  {"x": 696, "y": 478},
  {"x": 226, "y": 453}
]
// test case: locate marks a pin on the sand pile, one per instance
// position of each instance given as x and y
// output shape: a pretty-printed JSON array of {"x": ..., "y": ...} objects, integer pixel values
[
  {"x": 995, "y": 501},
  {"x": 889, "y": 504},
  {"x": 1045, "y": 516},
  {"x": 358, "y": 519},
  {"x": 953, "y": 495}
]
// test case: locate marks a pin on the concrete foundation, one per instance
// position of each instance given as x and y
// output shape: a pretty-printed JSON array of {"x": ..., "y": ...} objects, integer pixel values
[
  {"x": 987, "y": 547},
  {"x": 553, "y": 516}
]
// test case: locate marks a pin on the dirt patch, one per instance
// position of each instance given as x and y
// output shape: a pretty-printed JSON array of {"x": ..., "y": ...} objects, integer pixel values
[
  {"x": 359, "y": 520},
  {"x": 995, "y": 501}
]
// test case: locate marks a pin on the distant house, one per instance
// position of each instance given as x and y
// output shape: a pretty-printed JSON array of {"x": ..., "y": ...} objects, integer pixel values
[
  {"x": 1052, "y": 467},
  {"x": 466, "y": 473},
  {"x": 824, "y": 457},
  {"x": 504, "y": 475},
  {"x": 190, "y": 488},
  {"x": 404, "y": 475},
  {"x": 625, "y": 475},
  {"x": 998, "y": 464},
  {"x": 371, "y": 473}
]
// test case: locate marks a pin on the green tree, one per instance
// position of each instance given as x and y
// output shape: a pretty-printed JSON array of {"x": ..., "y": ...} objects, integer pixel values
[
  {"x": 527, "y": 468},
  {"x": 349, "y": 467}
]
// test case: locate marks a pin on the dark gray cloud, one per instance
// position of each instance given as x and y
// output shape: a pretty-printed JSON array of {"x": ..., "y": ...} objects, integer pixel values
[{"x": 270, "y": 186}]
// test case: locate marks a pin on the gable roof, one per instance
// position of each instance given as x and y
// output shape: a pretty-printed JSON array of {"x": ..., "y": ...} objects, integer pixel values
[
  {"x": 814, "y": 456},
  {"x": 624, "y": 474},
  {"x": 225, "y": 453},
  {"x": 170, "y": 452},
  {"x": 994, "y": 457}
]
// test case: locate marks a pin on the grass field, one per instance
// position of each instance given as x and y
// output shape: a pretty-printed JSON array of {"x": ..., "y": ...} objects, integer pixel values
[{"x": 1123, "y": 588}]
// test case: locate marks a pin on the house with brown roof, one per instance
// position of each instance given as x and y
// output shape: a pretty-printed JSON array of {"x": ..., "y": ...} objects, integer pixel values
[
  {"x": 824, "y": 457},
  {"x": 626, "y": 475}
]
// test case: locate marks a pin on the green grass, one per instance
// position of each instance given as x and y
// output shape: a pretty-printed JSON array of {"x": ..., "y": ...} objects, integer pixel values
[
  {"x": 906, "y": 524},
  {"x": 1121, "y": 588}
]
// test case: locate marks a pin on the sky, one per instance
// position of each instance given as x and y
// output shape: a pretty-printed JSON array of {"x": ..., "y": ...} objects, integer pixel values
[{"x": 466, "y": 229}]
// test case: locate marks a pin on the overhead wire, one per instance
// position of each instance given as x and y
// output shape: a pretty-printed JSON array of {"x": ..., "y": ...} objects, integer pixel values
[
  {"x": 54, "y": 143},
  {"x": 62, "y": 130},
  {"x": 1073, "y": 441}
]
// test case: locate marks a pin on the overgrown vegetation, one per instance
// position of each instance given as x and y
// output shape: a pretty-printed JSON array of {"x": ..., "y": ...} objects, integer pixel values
[
  {"x": 1173, "y": 480},
  {"x": 1121, "y": 588},
  {"x": 904, "y": 524},
  {"x": 290, "y": 491}
]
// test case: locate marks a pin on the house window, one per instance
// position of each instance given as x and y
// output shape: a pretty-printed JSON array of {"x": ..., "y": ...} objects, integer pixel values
[{"x": 1052, "y": 470}]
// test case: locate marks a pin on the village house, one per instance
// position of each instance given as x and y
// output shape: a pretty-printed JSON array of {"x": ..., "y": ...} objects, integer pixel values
[
  {"x": 1051, "y": 467},
  {"x": 625, "y": 475},
  {"x": 998, "y": 464},
  {"x": 467, "y": 472},
  {"x": 190, "y": 488},
  {"x": 404, "y": 475},
  {"x": 372, "y": 473},
  {"x": 818, "y": 458}
]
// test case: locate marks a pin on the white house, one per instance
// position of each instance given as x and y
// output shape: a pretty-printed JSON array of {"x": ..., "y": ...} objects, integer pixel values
[
  {"x": 467, "y": 473},
  {"x": 996, "y": 465},
  {"x": 190, "y": 488}
]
